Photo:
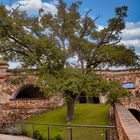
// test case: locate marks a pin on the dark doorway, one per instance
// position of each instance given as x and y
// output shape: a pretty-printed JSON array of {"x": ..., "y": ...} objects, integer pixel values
[
  {"x": 30, "y": 92},
  {"x": 135, "y": 113},
  {"x": 91, "y": 99},
  {"x": 82, "y": 98},
  {"x": 96, "y": 100}
]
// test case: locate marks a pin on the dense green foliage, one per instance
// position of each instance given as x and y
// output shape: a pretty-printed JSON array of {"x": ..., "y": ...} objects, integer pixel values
[
  {"x": 74, "y": 80},
  {"x": 49, "y": 42},
  {"x": 46, "y": 42}
]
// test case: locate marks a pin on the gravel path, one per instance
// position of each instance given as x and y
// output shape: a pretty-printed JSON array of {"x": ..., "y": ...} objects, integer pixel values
[{"x": 10, "y": 137}]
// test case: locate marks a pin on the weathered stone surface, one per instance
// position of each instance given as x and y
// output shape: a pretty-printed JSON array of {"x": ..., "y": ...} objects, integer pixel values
[
  {"x": 132, "y": 102},
  {"x": 127, "y": 126},
  {"x": 18, "y": 110},
  {"x": 8, "y": 90}
]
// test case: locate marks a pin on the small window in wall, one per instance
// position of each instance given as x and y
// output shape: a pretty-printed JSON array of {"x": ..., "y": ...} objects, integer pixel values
[{"x": 128, "y": 85}]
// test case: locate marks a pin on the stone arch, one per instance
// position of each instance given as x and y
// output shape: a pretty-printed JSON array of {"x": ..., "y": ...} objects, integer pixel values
[
  {"x": 27, "y": 92},
  {"x": 9, "y": 88},
  {"x": 135, "y": 113},
  {"x": 132, "y": 104}
]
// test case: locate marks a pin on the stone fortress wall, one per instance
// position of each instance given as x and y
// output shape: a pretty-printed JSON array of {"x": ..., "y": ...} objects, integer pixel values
[
  {"x": 9, "y": 91},
  {"x": 14, "y": 110}
]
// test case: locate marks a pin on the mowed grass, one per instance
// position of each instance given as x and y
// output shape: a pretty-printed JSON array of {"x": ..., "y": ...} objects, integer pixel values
[{"x": 85, "y": 114}]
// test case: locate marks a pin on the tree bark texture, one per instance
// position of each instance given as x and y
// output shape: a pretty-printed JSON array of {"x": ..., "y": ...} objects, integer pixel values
[{"x": 70, "y": 109}]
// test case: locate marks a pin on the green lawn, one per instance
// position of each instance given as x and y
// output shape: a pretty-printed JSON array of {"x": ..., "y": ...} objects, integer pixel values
[{"x": 85, "y": 114}]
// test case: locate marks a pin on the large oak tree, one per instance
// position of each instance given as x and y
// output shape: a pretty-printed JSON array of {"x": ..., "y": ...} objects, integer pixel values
[{"x": 50, "y": 42}]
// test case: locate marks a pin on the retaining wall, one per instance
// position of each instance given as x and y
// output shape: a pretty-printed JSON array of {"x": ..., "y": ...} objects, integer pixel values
[
  {"x": 18, "y": 110},
  {"x": 128, "y": 127}
]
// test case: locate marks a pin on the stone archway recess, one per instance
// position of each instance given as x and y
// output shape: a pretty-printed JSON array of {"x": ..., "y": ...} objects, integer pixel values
[
  {"x": 10, "y": 90},
  {"x": 28, "y": 92},
  {"x": 135, "y": 113}
]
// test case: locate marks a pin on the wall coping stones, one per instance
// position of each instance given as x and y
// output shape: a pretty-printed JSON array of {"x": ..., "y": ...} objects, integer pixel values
[{"x": 130, "y": 125}]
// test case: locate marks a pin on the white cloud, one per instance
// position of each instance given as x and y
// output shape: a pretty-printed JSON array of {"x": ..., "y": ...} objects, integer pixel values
[
  {"x": 132, "y": 25},
  {"x": 131, "y": 34},
  {"x": 13, "y": 65},
  {"x": 132, "y": 31},
  {"x": 134, "y": 43},
  {"x": 32, "y": 6},
  {"x": 99, "y": 27}
]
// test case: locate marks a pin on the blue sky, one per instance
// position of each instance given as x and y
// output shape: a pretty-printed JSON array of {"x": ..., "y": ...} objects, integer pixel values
[
  {"x": 102, "y": 8},
  {"x": 105, "y": 8}
]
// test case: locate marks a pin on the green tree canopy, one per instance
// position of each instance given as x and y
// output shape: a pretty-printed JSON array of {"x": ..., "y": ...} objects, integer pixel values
[{"x": 49, "y": 42}]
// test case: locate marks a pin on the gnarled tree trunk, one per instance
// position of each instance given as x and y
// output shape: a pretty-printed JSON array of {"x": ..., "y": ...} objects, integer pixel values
[
  {"x": 70, "y": 109},
  {"x": 70, "y": 102}
]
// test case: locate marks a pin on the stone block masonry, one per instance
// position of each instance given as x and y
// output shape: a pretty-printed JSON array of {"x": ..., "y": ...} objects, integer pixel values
[
  {"x": 8, "y": 90},
  {"x": 131, "y": 102},
  {"x": 18, "y": 110},
  {"x": 128, "y": 127}
]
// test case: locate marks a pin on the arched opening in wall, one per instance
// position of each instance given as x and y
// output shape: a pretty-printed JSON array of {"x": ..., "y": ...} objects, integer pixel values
[
  {"x": 29, "y": 92},
  {"x": 93, "y": 100},
  {"x": 96, "y": 100},
  {"x": 135, "y": 113},
  {"x": 82, "y": 98}
]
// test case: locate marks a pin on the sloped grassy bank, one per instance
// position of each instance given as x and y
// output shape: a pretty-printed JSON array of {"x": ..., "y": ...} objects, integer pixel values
[{"x": 85, "y": 114}]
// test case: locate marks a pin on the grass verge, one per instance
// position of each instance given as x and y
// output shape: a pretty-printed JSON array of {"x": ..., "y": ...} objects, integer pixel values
[{"x": 85, "y": 114}]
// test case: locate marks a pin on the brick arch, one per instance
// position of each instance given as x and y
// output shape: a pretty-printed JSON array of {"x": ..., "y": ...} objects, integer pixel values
[
  {"x": 131, "y": 102},
  {"x": 27, "y": 91},
  {"x": 136, "y": 109},
  {"x": 11, "y": 89},
  {"x": 135, "y": 113},
  {"x": 19, "y": 89},
  {"x": 133, "y": 107}
]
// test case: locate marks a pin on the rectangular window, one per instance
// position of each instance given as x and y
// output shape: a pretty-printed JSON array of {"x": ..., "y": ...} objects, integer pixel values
[{"x": 128, "y": 85}]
